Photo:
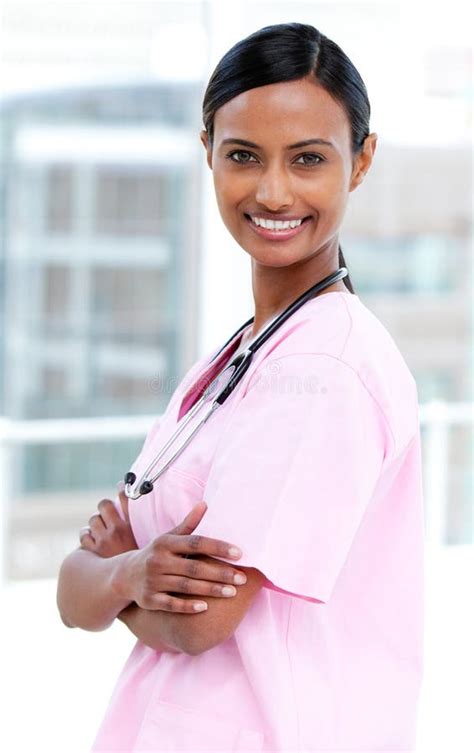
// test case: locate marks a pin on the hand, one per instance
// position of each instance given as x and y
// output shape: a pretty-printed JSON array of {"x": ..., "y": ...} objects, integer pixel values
[
  {"x": 107, "y": 533},
  {"x": 151, "y": 576}
]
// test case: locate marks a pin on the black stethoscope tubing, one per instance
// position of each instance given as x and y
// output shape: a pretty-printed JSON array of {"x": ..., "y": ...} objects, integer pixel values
[
  {"x": 239, "y": 364},
  {"x": 243, "y": 360}
]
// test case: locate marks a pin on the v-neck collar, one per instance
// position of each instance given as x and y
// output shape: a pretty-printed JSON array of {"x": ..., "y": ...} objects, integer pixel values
[{"x": 206, "y": 376}]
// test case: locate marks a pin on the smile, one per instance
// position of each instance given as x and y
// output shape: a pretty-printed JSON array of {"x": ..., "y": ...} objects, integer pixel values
[{"x": 276, "y": 229}]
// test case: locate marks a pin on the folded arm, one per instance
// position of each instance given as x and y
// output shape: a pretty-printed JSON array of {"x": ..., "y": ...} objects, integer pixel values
[
  {"x": 154, "y": 592},
  {"x": 195, "y": 633}
]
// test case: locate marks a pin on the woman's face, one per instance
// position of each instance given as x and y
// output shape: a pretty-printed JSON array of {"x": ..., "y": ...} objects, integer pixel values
[{"x": 273, "y": 177}]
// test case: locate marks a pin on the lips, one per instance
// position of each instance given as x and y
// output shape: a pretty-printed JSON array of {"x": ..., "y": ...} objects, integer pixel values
[{"x": 278, "y": 235}]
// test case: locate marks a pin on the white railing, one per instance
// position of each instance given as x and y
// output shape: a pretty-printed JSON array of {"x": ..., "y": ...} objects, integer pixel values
[
  {"x": 53, "y": 431},
  {"x": 436, "y": 418}
]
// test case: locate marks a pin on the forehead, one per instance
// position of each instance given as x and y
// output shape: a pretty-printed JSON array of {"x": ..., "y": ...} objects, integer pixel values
[{"x": 283, "y": 113}]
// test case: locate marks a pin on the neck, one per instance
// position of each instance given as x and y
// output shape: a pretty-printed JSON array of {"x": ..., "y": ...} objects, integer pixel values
[{"x": 274, "y": 288}]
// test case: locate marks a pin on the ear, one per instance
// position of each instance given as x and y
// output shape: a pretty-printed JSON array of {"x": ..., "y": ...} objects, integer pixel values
[
  {"x": 204, "y": 136},
  {"x": 363, "y": 161}
]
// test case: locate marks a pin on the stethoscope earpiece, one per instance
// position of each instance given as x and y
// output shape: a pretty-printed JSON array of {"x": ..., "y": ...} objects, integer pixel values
[{"x": 146, "y": 487}]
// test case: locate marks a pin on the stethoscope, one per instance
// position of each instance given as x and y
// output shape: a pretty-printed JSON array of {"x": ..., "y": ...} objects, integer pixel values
[{"x": 237, "y": 368}]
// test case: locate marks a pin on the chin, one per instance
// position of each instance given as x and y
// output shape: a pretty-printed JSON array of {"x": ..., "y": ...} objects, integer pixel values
[{"x": 275, "y": 258}]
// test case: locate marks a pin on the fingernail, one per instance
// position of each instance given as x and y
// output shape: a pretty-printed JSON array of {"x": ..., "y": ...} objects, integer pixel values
[
  {"x": 200, "y": 606},
  {"x": 228, "y": 591},
  {"x": 121, "y": 486},
  {"x": 240, "y": 579},
  {"x": 233, "y": 551}
]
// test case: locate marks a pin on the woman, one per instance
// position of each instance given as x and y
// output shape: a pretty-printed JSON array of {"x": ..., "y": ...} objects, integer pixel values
[{"x": 312, "y": 466}]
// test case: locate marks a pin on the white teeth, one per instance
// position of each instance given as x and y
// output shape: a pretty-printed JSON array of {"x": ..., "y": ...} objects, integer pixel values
[{"x": 276, "y": 224}]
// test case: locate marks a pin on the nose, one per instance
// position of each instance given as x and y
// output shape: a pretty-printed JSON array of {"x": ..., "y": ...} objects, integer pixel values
[{"x": 274, "y": 188}]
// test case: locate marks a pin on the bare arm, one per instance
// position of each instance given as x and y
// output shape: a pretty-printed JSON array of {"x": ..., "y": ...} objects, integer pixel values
[
  {"x": 92, "y": 584},
  {"x": 90, "y": 597},
  {"x": 100, "y": 581},
  {"x": 149, "y": 627},
  {"x": 192, "y": 634},
  {"x": 88, "y": 594}
]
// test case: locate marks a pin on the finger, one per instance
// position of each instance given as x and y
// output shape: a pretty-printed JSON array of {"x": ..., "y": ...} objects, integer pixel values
[
  {"x": 214, "y": 571},
  {"x": 86, "y": 539},
  {"x": 183, "y": 585},
  {"x": 189, "y": 523},
  {"x": 108, "y": 512},
  {"x": 167, "y": 603},
  {"x": 195, "y": 544},
  {"x": 97, "y": 525}
]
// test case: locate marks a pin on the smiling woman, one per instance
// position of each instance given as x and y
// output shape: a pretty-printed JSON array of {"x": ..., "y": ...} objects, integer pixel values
[
  {"x": 282, "y": 199},
  {"x": 312, "y": 467},
  {"x": 338, "y": 103}
]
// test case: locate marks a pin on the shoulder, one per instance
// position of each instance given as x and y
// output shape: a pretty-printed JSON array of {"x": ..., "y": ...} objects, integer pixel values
[
  {"x": 373, "y": 353},
  {"x": 340, "y": 340}
]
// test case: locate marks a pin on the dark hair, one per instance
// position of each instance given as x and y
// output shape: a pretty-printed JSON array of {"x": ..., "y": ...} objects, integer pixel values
[{"x": 286, "y": 52}]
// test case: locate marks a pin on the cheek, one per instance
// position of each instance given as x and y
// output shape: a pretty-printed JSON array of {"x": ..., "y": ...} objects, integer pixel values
[
  {"x": 232, "y": 196},
  {"x": 329, "y": 187},
  {"x": 228, "y": 193},
  {"x": 330, "y": 195}
]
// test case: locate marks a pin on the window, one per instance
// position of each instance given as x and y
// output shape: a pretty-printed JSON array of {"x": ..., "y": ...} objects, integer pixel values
[
  {"x": 56, "y": 291},
  {"x": 130, "y": 301},
  {"x": 130, "y": 202},
  {"x": 59, "y": 199}
]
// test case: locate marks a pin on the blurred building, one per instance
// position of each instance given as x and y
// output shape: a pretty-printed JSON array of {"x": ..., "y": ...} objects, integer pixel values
[
  {"x": 100, "y": 253},
  {"x": 409, "y": 250},
  {"x": 99, "y": 200}
]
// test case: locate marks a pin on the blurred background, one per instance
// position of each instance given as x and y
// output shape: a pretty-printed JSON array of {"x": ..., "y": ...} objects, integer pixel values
[{"x": 116, "y": 274}]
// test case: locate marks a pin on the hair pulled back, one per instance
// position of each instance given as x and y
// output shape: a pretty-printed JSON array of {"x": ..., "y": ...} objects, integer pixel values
[{"x": 287, "y": 52}]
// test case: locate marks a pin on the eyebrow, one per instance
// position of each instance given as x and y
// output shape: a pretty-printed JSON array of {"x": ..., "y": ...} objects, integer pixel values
[{"x": 298, "y": 145}]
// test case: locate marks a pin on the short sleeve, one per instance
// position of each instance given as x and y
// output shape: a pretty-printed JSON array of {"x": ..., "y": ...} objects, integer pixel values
[{"x": 294, "y": 472}]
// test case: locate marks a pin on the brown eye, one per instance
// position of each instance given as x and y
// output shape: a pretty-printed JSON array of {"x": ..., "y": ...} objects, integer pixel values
[
  {"x": 311, "y": 163},
  {"x": 239, "y": 151}
]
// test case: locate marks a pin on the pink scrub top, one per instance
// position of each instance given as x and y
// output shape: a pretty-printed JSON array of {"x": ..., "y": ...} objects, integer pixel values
[{"x": 313, "y": 468}]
